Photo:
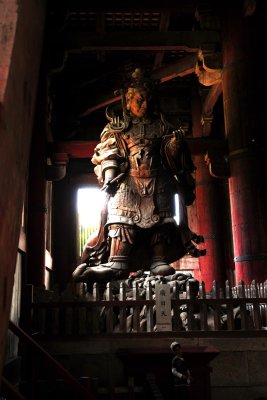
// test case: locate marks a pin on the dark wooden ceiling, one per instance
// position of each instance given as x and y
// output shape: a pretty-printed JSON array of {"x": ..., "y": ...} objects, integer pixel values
[{"x": 89, "y": 46}]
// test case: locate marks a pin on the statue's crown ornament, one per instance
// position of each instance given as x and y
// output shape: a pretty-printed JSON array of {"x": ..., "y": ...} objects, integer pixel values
[{"x": 138, "y": 79}]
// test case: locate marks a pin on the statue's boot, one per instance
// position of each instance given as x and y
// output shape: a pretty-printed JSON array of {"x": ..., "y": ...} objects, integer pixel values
[
  {"x": 160, "y": 267},
  {"x": 88, "y": 274},
  {"x": 119, "y": 266},
  {"x": 122, "y": 238}
]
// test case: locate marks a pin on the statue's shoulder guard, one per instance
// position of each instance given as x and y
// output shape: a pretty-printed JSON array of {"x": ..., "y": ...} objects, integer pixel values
[{"x": 115, "y": 130}]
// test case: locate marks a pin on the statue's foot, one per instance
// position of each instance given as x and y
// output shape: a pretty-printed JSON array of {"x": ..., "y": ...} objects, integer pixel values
[
  {"x": 161, "y": 268},
  {"x": 119, "y": 268}
]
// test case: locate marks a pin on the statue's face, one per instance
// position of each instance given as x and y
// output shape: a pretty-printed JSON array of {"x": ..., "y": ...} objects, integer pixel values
[{"x": 137, "y": 103}]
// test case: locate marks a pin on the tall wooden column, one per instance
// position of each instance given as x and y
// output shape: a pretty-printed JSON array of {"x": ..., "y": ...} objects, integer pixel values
[
  {"x": 65, "y": 229},
  {"x": 208, "y": 204},
  {"x": 37, "y": 186},
  {"x": 22, "y": 27},
  {"x": 37, "y": 210},
  {"x": 244, "y": 92}
]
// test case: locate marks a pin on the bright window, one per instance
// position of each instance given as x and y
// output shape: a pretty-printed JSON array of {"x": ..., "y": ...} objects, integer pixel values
[
  {"x": 90, "y": 201},
  {"x": 177, "y": 208}
]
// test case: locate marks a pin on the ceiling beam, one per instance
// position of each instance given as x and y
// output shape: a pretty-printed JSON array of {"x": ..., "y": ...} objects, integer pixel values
[
  {"x": 85, "y": 149},
  {"x": 100, "y": 104},
  {"x": 71, "y": 149},
  {"x": 163, "y": 27},
  {"x": 182, "y": 67},
  {"x": 121, "y": 5},
  {"x": 82, "y": 42}
]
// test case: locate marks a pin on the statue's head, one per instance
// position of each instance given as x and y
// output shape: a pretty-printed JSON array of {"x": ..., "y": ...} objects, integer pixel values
[
  {"x": 136, "y": 102},
  {"x": 138, "y": 93}
]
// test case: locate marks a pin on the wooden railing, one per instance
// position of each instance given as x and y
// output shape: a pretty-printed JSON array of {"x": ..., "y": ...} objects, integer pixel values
[
  {"x": 33, "y": 353},
  {"x": 240, "y": 308}
]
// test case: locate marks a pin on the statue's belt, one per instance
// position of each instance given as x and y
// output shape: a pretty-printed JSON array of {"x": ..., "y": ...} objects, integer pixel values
[{"x": 143, "y": 174}]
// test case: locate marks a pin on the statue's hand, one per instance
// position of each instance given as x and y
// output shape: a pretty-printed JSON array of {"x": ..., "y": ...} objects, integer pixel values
[
  {"x": 110, "y": 184},
  {"x": 109, "y": 176},
  {"x": 179, "y": 134},
  {"x": 108, "y": 187}
]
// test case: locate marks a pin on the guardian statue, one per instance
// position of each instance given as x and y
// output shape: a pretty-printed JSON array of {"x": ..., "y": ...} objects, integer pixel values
[{"x": 141, "y": 163}]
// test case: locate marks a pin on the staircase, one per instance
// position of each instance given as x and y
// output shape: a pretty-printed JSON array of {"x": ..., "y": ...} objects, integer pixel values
[{"x": 42, "y": 377}]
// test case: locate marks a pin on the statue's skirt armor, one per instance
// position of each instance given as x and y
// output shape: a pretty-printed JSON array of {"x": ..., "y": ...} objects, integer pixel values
[{"x": 142, "y": 201}]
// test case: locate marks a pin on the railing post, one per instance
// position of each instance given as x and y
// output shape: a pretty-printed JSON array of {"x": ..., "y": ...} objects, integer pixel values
[
  {"x": 190, "y": 306},
  {"x": 229, "y": 309},
  {"x": 215, "y": 295},
  {"x": 96, "y": 309},
  {"x": 203, "y": 307},
  {"x": 256, "y": 306},
  {"x": 136, "y": 309},
  {"x": 264, "y": 306},
  {"x": 177, "y": 323},
  {"x": 243, "y": 308},
  {"x": 149, "y": 311},
  {"x": 228, "y": 292},
  {"x": 109, "y": 314},
  {"x": 122, "y": 312}
]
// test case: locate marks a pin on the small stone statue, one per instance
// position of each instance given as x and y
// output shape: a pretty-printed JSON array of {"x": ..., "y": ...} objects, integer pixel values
[{"x": 141, "y": 163}]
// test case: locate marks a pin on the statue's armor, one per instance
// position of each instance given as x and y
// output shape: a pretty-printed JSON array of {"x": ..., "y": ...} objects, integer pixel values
[
  {"x": 141, "y": 165},
  {"x": 146, "y": 195}
]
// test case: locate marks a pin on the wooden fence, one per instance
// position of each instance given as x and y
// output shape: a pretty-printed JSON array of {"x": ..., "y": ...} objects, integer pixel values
[{"x": 243, "y": 307}]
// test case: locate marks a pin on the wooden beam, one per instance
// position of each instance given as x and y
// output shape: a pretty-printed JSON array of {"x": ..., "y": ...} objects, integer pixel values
[
  {"x": 85, "y": 149},
  {"x": 81, "y": 42},
  {"x": 187, "y": 7},
  {"x": 100, "y": 28},
  {"x": 182, "y": 67},
  {"x": 101, "y": 104},
  {"x": 71, "y": 149},
  {"x": 163, "y": 27},
  {"x": 211, "y": 99}
]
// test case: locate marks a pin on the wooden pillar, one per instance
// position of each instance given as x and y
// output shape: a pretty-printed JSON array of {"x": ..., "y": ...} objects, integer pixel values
[
  {"x": 209, "y": 197},
  {"x": 209, "y": 205},
  {"x": 37, "y": 186},
  {"x": 244, "y": 93},
  {"x": 64, "y": 230},
  {"x": 37, "y": 209},
  {"x": 20, "y": 49}
]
